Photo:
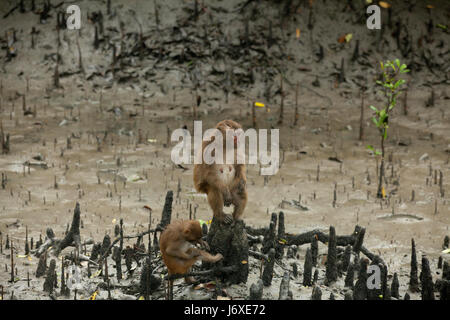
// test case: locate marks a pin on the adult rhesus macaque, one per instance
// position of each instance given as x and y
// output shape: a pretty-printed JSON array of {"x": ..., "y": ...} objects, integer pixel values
[
  {"x": 224, "y": 184},
  {"x": 177, "y": 244}
]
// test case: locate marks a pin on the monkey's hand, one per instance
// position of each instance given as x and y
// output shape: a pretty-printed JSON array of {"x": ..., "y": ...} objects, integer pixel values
[
  {"x": 217, "y": 257},
  {"x": 203, "y": 244}
]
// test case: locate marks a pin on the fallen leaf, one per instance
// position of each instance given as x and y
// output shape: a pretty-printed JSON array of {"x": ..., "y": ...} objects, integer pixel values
[
  {"x": 96, "y": 274},
  {"x": 210, "y": 285},
  {"x": 384, "y": 4},
  {"x": 348, "y": 37},
  {"x": 94, "y": 295},
  {"x": 200, "y": 286},
  {"x": 297, "y": 31},
  {"x": 259, "y": 104}
]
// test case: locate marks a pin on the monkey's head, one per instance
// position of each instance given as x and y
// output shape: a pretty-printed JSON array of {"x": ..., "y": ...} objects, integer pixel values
[
  {"x": 192, "y": 231},
  {"x": 225, "y": 125}
]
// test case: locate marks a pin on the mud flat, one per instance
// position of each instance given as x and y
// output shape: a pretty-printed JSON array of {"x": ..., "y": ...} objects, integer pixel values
[{"x": 100, "y": 139}]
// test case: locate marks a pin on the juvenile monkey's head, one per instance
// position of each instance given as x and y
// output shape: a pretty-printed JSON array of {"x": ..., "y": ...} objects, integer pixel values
[
  {"x": 225, "y": 125},
  {"x": 192, "y": 230}
]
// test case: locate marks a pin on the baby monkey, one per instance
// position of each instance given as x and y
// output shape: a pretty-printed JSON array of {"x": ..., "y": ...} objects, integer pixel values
[
  {"x": 224, "y": 184},
  {"x": 177, "y": 244}
]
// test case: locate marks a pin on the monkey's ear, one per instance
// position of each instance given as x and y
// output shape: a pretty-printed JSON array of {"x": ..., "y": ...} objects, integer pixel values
[{"x": 187, "y": 229}]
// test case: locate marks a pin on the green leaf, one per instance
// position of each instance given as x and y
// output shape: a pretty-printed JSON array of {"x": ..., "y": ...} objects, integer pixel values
[
  {"x": 385, "y": 134},
  {"x": 375, "y": 121},
  {"x": 373, "y": 108},
  {"x": 378, "y": 152},
  {"x": 369, "y": 147},
  {"x": 399, "y": 83},
  {"x": 397, "y": 62}
]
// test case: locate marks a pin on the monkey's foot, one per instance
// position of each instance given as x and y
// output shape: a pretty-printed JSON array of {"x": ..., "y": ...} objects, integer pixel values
[
  {"x": 190, "y": 280},
  {"x": 227, "y": 202}
]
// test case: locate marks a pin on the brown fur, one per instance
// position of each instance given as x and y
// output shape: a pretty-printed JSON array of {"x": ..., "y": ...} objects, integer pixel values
[
  {"x": 208, "y": 179},
  {"x": 177, "y": 244}
]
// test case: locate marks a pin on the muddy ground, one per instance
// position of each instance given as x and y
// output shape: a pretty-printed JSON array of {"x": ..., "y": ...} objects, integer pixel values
[{"x": 116, "y": 176}]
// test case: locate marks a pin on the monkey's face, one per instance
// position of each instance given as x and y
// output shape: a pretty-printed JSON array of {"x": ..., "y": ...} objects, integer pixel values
[
  {"x": 225, "y": 125},
  {"x": 192, "y": 231}
]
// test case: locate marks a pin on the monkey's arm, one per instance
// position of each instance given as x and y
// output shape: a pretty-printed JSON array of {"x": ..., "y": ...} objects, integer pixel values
[
  {"x": 203, "y": 243},
  {"x": 183, "y": 251},
  {"x": 205, "y": 256}
]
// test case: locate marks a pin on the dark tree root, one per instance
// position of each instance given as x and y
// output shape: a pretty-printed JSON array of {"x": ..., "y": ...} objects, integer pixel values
[
  {"x": 166, "y": 215},
  {"x": 218, "y": 271},
  {"x": 256, "y": 290},
  {"x": 284, "y": 287},
  {"x": 72, "y": 238},
  {"x": 355, "y": 239},
  {"x": 231, "y": 241}
]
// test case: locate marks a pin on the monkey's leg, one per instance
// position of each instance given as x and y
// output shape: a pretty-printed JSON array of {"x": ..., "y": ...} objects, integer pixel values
[
  {"x": 189, "y": 280},
  {"x": 239, "y": 201},
  {"x": 170, "y": 290},
  {"x": 215, "y": 199}
]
